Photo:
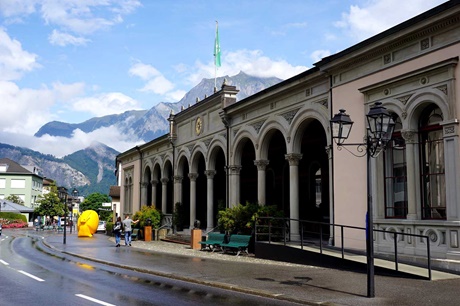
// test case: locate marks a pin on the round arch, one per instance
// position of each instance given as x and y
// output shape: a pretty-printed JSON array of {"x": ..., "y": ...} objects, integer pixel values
[{"x": 417, "y": 103}]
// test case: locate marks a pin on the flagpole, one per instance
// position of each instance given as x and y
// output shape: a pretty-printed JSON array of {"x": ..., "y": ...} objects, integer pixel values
[{"x": 215, "y": 56}]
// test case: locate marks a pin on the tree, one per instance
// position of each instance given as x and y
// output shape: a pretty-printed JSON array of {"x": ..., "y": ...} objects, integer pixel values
[
  {"x": 15, "y": 199},
  {"x": 50, "y": 204},
  {"x": 94, "y": 202}
]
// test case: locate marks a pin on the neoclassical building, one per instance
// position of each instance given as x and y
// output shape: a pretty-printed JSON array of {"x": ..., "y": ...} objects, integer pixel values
[{"x": 276, "y": 147}]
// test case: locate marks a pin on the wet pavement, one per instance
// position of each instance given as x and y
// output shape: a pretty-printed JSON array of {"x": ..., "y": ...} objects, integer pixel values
[{"x": 299, "y": 283}]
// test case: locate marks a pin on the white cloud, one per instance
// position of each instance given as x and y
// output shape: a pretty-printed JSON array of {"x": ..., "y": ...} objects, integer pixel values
[
  {"x": 252, "y": 62},
  {"x": 76, "y": 16},
  {"x": 176, "y": 95},
  {"x": 61, "y": 146},
  {"x": 317, "y": 55},
  {"x": 86, "y": 17},
  {"x": 106, "y": 104},
  {"x": 156, "y": 82},
  {"x": 14, "y": 61},
  {"x": 63, "y": 39},
  {"x": 28, "y": 109},
  {"x": 159, "y": 85},
  {"x": 143, "y": 71},
  {"x": 379, "y": 15},
  {"x": 10, "y": 8}
]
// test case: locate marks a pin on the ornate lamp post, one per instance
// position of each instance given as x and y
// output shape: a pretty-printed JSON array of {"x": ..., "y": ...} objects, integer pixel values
[
  {"x": 380, "y": 128},
  {"x": 62, "y": 194},
  {"x": 74, "y": 200}
]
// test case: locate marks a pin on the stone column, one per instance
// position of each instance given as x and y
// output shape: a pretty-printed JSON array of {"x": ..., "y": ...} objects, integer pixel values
[
  {"x": 164, "y": 194},
  {"x": 154, "y": 192},
  {"x": 144, "y": 186},
  {"x": 412, "y": 179},
  {"x": 177, "y": 189},
  {"x": 210, "y": 193},
  {"x": 294, "y": 160},
  {"x": 193, "y": 177},
  {"x": 261, "y": 193},
  {"x": 234, "y": 174}
]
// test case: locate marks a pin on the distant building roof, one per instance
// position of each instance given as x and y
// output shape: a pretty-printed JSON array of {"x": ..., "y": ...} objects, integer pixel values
[
  {"x": 114, "y": 191},
  {"x": 8, "y": 206},
  {"x": 11, "y": 167}
]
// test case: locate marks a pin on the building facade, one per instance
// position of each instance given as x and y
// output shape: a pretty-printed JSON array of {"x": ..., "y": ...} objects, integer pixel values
[
  {"x": 276, "y": 147},
  {"x": 21, "y": 181}
]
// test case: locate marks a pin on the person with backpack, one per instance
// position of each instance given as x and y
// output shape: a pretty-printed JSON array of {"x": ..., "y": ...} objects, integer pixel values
[{"x": 117, "y": 227}]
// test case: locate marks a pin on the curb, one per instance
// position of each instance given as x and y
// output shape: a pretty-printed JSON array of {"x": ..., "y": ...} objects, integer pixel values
[{"x": 214, "y": 284}]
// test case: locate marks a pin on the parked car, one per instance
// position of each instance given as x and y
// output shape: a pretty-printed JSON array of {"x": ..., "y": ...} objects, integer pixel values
[
  {"x": 0, "y": 229},
  {"x": 101, "y": 228}
]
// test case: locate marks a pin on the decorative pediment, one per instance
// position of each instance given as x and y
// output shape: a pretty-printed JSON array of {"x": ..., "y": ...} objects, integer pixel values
[
  {"x": 289, "y": 116},
  {"x": 442, "y": 88},
  {"x": 258, "y": 125},
  {"x": 207, "y": 142},
  {"x": 404, "y": 99},
  {"x": 323, "y": 103}
]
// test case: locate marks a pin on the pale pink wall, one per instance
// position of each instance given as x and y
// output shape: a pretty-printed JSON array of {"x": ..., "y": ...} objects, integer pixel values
[{"x": 350, "y": 196}]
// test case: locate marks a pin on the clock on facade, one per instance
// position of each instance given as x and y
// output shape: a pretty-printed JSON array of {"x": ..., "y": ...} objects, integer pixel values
[{"x": 198, "y": 125}]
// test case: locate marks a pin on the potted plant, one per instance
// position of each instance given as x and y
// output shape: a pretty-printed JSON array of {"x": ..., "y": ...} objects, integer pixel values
[{"x": 178, "y": 217}]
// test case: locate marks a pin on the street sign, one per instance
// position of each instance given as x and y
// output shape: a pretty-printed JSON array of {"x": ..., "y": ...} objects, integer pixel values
[{"x": 107, "y": 204}]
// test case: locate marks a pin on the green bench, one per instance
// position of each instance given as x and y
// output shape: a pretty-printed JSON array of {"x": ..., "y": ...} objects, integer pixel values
[
  {"x": 238, "y": 243},
  {"x": 135, "y": 234},
  {"x": 213, "y": 241}
]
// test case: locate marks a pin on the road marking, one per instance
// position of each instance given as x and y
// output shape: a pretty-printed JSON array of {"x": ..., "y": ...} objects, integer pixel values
[
  {"x": 31, "y": 276},
  {"x": 93, "y": 300},
  {"x": 4, "y": 262}
]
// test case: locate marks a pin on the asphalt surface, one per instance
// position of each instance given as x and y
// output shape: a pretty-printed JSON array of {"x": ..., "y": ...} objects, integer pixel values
[{"x": 291, "y": 282}]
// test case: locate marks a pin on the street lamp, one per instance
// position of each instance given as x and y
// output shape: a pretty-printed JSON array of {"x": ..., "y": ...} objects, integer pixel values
[
  {"x": 62, "y": 194},
  {"x": 380, "y": 128},
  {"x": 74, "y": 200}
]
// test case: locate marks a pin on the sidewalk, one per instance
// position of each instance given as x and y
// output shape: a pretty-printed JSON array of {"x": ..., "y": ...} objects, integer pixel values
[{"x": 299, "y": 283}]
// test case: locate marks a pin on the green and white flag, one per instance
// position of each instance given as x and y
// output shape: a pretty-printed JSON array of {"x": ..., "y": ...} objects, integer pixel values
[{"x": 217, "y": 48}]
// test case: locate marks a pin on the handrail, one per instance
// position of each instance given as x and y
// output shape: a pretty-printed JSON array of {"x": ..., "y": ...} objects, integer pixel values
[
  {"x": 211, "y": 230},
  {"x": 280, "y": 233}
]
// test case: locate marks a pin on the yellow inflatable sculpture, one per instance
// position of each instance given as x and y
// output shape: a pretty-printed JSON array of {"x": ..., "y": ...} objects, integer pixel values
[{"x": 87, "y": 223}]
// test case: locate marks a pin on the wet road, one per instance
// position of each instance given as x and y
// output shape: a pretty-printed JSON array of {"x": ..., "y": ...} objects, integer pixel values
[{"x": 33, "y": 274}]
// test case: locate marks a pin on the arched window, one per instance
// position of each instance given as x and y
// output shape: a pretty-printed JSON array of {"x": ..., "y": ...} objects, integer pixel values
[
  {"x": 396, "y": 175},
  {"x": 432, "y": 166}
]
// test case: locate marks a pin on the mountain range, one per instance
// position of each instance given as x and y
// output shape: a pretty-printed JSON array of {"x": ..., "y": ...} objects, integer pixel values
[{"x": 93, "y": 169}]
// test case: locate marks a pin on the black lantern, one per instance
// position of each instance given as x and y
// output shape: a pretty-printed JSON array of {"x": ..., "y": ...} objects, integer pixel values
[
  {"x": 341, "y": 126},
  {"x": 380, "y": 126}
]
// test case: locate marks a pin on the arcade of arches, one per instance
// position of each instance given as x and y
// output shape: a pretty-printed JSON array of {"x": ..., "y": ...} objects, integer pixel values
[{"x": 201, "y": 187}]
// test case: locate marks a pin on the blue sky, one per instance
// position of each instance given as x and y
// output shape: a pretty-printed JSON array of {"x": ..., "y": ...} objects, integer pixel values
[{"x": 71, "y": 60}]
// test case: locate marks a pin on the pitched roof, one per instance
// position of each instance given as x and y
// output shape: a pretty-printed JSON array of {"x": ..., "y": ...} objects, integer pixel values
[
  {"x": 12, "y": 166},
  {"x": 8, "y": 206},
  {"x": 114, "y": 191}
]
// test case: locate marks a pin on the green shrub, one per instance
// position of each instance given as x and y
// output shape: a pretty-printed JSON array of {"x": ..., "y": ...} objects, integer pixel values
[
  {"x": 145, "y": 213},
  {"x": 178, "y": 216},
  {"x": 13, "y": 216},
  {"x": 13, "y": 220},
  {"x": 241, "y": 219}
]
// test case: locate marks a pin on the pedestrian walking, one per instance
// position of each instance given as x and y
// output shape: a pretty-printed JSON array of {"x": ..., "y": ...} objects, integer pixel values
[
  {"x": 127, "y": 228},
  {"x": 117, "y": 231}
]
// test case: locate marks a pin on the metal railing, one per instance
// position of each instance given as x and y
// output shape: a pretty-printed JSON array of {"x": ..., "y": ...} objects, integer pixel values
[{"x": 271, "y": 230}]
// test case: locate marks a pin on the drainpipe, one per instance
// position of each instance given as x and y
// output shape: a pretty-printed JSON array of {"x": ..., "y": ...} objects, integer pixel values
[
  {"x": 331, "y": 179},
  {"x": 140, "y": 176},
  {"x": 225, "y": 120},
  {"x": 172, "y": 138}
]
